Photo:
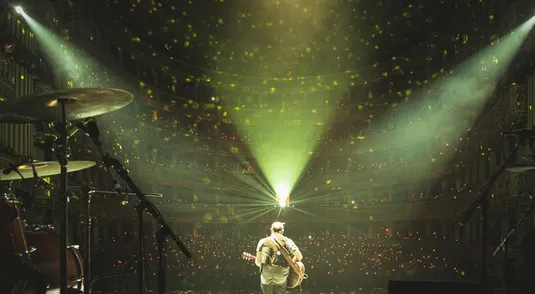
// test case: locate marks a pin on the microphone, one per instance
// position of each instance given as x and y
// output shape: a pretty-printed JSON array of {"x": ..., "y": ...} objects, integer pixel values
[{"x": 11, "y": 168}]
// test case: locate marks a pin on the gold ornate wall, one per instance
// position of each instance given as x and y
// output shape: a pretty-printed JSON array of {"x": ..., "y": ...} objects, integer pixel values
[{"x": 17, "y": 80}]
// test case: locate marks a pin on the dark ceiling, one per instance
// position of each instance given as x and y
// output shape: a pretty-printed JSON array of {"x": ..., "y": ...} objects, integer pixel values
[{"x": 294, "y": 37}]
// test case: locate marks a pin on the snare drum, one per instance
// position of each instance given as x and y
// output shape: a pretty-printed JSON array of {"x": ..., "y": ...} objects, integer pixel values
[{"x": 46, "y": 243}]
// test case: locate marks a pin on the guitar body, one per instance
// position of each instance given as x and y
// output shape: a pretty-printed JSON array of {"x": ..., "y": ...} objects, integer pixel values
[
  {"x": 294, "y": 278},
  {"x": 297, "y": 271}
]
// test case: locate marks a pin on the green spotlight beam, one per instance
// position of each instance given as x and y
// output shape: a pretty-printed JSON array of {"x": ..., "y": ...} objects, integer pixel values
[
  {"x": 282, "y": 132},
  {"x": 449, "y": 106},
  {"x": 282, "y": 151},
  {"x": 263, "y": 185},
  {"x": 64, "y": 57},
  {"x": 259, "y": 214}
]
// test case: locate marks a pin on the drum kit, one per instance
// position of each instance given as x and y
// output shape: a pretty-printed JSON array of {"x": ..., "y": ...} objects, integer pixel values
[{"x": 43, "y": 252}]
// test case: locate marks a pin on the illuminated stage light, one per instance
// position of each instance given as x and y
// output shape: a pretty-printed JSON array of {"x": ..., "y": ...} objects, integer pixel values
[
  {"x": 282, "y": 195},
  {"x": 19, "y": 9},
  {"x": 283, "y": 201}
]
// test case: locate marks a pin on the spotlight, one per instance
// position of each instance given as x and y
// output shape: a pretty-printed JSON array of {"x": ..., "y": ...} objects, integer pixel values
[
  {"x": 282, "y": 195},
  {"x": 283, "y": 201},
  {"x": 19, "y": 10}
]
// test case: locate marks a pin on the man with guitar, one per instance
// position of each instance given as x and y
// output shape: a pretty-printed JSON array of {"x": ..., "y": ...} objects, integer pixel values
[{"x": 276, "y": 256}]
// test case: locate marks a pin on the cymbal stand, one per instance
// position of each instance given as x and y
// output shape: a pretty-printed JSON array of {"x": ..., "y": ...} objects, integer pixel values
[
  {"x": 62, "y": 155},
  {"x": 91, "y": 129}
]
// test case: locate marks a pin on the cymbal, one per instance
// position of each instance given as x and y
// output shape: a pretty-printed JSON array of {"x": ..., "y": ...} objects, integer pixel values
[
  {"x": 45, "y": 169},
  {"x": 80, "y": 103}
]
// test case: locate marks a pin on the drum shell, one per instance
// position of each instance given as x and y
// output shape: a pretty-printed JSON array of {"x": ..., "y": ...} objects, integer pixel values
[
  {"x": 12, "y": 237},
  {"x": 46, "y": 243}
]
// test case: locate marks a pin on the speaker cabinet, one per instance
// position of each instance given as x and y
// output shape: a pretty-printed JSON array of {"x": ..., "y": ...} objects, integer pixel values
[{"x": 433, "y": 287}]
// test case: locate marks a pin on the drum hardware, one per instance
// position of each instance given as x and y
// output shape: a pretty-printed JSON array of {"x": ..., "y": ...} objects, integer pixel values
[
  {"x": 52, "y": 107},
  {"x": 48, "y": 168},
  {"x": 89, "y": 194},
  {"x": 44, "y": 141},
  {"x": 39, "y": 182},
  {"x": 150, "y": 195},
  {"x": 36, "y": 228},
  {"x": 112, "y": 164},
  {"x": 42, "y": 202},
  {"x": 87, "y": 224},
  {"x": 25, "y": 197}
]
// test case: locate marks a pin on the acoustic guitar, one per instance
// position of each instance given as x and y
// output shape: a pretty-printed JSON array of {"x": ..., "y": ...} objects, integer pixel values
[{"x": 297, "y": 271}]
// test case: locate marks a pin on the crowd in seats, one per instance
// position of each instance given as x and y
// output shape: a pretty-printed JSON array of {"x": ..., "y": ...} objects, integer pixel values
[{"x": 334, "y": 261}]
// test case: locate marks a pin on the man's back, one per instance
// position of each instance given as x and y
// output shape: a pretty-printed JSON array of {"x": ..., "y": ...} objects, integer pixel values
[{"x": 275, "y": 268}]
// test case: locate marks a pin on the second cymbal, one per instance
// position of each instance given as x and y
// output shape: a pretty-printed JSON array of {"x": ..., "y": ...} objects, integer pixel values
[{"x": 44, "y": 169}]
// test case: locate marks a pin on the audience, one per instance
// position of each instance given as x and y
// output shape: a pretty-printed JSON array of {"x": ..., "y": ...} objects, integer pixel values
[{"x": 334, "y": 261}]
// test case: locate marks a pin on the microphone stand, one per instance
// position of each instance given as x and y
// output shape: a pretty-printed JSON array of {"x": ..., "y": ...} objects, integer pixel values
[
  {"x": 144, "y": 206},
  {"x": 161, "y": 236},
  {"x": 483, "y": 201}
]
